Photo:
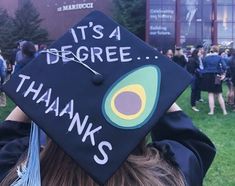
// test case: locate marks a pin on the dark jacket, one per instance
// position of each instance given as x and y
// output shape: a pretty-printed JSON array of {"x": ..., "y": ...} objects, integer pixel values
[
  {"x": 232, "y": 69},
  {"x": 180, "y": 60},
  {"x": 193, "y": 65},
  {"x": 176, "y": 135},
  {"x": 14, "y": 138},
  {"x": 2, "y": 69}
]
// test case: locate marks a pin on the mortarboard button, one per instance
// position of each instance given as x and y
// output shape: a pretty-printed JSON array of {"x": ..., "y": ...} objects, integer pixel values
[{"x": 98, "y": 79}]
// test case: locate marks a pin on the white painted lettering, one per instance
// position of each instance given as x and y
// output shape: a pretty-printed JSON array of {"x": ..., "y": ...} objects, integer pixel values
[
  {"x": 68, "y": 109},
  {"x": 82, "y": 28},
  {"x": 54, "y": 107},
  {"x": 65, "y": 53},
  {"x": 76, "y": 120},
  {"x": 96, "y": 51},
  {"x": 101, "y": 149},
  {"x": 52, "y": 56},
  {"x": 87, "y": 130},
  {"x": 45, "y": 97},
  {"x": 32, "y": 90},
  {"x": 75, "y": 38},
  {"x": 91, "y": 133},
  {"x": 23, "y": 78},
  {"x": 98, "y": 29},
  {"x": 116, "y": 33},
  {"x": 109, "y": 53},
  {"x": 84, "y": 56},
  {"x": 123, "y": 54}
]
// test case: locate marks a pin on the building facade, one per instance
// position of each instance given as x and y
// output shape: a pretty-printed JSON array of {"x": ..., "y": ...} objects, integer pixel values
[
  {"x": 187, "y": 23},
  {"x": 59, "y": 15},
  {"x": 10, "y": 6}
]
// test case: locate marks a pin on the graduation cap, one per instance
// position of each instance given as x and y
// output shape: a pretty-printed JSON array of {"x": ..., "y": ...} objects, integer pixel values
[{"x": 97, "y": 92}]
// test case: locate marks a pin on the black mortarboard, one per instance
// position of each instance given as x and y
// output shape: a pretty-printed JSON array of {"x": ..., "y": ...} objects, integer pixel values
[{"x": 97, "y": 92}]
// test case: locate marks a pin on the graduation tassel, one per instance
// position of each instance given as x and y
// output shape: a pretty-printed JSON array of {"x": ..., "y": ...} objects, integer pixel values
[{"x": 29, "y": 171}]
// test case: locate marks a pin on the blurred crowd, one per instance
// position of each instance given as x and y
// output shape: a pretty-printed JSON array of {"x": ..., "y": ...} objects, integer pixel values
[
  {"x": 210, "y": 70},
  {"x": 23, "y": 54}
]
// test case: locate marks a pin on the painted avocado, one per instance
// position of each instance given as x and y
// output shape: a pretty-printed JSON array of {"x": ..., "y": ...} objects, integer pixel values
[{"x": 131, "y": 100}]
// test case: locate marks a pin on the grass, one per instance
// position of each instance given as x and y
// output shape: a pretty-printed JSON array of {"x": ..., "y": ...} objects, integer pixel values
[
  {"x": 220, "y": 129},
  {"x": 4, "y": 111}
]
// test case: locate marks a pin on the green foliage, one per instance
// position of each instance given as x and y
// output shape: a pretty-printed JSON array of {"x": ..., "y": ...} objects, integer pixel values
[
  {"x": 6, "y": 25},
  {"x": 27, "y": 24},
  {"x": 131, "y": 14}
]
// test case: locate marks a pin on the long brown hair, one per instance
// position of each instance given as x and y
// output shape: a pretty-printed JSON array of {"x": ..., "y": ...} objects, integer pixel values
[{"x": 147, "y": 168}]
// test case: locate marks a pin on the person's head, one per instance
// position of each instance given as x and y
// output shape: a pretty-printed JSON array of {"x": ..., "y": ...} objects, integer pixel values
[
  {"x": 20, "y": 44},
  {"x": 214, "y": 49},
  {"x": 232, "y": 52},
  {"x": 223, "y": 54},
  {"x": 169, "y": 53},
  {"x": 227, "y": 51},
  {"x": 201, "y": 49},
  {"x": 195, "y": 53},
  {"x": 28, "y": 49},
  {"x": 178, "y": 51},
  {"x": 144, "y": 167},
  {"x": 42, "y": 47}
]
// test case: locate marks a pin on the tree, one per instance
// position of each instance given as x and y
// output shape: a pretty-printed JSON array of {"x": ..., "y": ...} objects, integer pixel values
[
  {"x": 27, "y": 24},
  {"x": 6, "y": 39},
  {"x": 131, "y": 14}
]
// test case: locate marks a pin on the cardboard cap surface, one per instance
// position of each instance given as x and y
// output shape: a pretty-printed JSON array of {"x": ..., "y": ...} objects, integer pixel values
[{"x": 97, "y": 92}]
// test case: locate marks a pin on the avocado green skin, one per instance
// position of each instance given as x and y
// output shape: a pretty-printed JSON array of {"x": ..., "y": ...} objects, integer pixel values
[{"x": 149, "y": 77}]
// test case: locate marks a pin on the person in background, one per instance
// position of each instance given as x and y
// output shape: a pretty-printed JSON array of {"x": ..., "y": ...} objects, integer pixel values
[
  {"x": 179, "y": 57},
  {"x": 225, "y": 54},
  {"x": 41, "y": 48},
  {"x": 3, "y": 69},
  {"x": 201, "y": 53},
  {"x": 194, "y": 69},
  {"x": 28, "y": 52},
  {"x": 232, "y": 74},
  {"x": 169, "y": 53},
  {"x": 213, "y": 73},
  {"x": 19, "y": 55},
  {"x": 11, "y": 62}
]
